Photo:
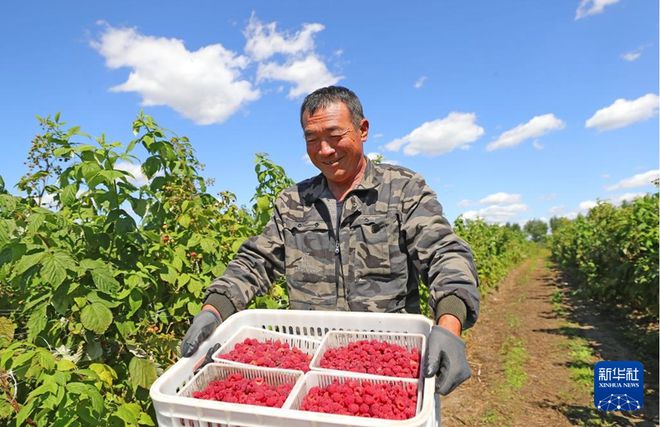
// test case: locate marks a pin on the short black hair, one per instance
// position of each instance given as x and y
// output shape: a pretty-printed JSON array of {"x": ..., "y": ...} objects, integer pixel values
[{"x": 325, "y": 96}]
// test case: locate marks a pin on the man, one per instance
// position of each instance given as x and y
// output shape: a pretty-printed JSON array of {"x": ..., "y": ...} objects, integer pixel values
[{"x": 359, "y": 236}]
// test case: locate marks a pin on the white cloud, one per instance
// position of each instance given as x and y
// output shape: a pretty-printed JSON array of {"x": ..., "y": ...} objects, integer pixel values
[
  {"x": 420, "y": 82},
  {"x": 306, "y": 159},
  {"x": 440, "y": 136},
  {"x": 605, "y": 176},
  {"x": 378, "y": 135},
  {"x": 500, "y": 199},
  {"x": 139, "y": 178},
  {"x": 264, "y": 41},
  {"x": 627, "y": 197},
  {"x": 537, "y": 145},
  {"x": 631, "y": 56},
  {"x": 536, "y": 127},
  {"x": 592, "y": 7},
  {"x": 624, "y": 112},
  {"x": 548, "y": 197},
  {"x": 639, "y": 180},
  {"x": 586, "y": 205},
  {"x": 556, "y": 210},
  {"x": 203, "y": 85},
  {"x": 498, "y": 214},
  {"x": 301, "y": 66},
  {"x": 375, "y": 155},
  {"x": 464, "y": 203},
  {"x": 306, "y": 74},
  {"x": 47, "y": 201},
  {"x": 634, "y": 55},
  {"x": 502, "y": 207}
]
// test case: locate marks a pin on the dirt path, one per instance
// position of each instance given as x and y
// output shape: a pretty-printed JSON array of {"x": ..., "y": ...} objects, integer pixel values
[{"x": 531, "y": 353}]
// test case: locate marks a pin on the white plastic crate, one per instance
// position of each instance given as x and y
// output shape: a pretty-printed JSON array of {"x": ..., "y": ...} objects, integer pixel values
[
  {"x": 304, "y": 344},
  {"x": 336, "y": 339},
  {"x": 324, "y": 379},
  {"x": 173, "y": 410}
]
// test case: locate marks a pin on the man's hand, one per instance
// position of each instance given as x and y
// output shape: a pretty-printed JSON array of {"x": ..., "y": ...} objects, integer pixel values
[
  {"x": 445, "y": 357},
  {"x": 203, "y": 324}
]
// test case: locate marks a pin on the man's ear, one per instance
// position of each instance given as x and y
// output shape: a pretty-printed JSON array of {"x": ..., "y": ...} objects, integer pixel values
[{"x": 364, "y": 130}]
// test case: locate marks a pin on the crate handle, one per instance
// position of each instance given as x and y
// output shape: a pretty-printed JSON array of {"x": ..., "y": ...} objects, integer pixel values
[{"x": 207, "y": 359}]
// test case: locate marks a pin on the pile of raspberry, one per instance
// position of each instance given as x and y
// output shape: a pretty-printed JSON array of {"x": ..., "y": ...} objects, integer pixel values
[
  {"x": 373, "y": 357},
  {"x": 237, "y": 389},
  {"x": 270, "y": 354},
  {"x": 366, "y": 399}
]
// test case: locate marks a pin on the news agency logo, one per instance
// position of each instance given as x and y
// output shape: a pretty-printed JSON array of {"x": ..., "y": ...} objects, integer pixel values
[{"x": 619, "y": 386}]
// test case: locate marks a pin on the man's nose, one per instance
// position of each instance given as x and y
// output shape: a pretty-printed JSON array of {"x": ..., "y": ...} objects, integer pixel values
[{"x": 326, "y": 149}]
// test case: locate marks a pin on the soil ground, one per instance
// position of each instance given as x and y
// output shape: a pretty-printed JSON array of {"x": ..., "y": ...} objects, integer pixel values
[{"x": 532, "y": 353}]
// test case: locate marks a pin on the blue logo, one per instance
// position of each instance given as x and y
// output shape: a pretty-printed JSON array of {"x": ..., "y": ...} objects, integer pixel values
[{"x": 619, "y": 386}]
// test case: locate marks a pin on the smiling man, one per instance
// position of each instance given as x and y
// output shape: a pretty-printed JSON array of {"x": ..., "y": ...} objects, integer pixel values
[{"x": 359, "y": 236}]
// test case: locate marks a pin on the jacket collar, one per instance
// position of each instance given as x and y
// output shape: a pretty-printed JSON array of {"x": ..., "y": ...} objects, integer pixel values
[{"x": 319, "y": 184}]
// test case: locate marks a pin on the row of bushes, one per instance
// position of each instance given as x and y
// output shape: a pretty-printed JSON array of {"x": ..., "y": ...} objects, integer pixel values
[
  {"x": 613, "y": 252},
  {"x": 97, "y": 291}
]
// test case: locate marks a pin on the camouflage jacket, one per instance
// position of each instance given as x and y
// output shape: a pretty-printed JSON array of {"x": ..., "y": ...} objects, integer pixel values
[{"x": 392, "y": 234}]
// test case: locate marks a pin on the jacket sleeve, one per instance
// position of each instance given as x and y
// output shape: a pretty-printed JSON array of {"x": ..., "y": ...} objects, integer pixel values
[
  {"x": 257, "y": 264},
  {"x": 444, "y": 261}
]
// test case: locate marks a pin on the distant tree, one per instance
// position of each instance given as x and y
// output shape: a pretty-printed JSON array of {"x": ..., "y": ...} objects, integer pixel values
[
  {"x": 513, "y": 226},
  {"x": 536, "y": 229},
  {"x": 557, "y": 223}
]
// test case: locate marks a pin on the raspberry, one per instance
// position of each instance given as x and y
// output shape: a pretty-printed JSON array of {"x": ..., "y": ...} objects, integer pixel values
[
  {"x": 271, "y": 354},
  {"x": 381, "y": 400},
  {"x": 237, "y": 389},
  {"x": 373, "y": 357}
]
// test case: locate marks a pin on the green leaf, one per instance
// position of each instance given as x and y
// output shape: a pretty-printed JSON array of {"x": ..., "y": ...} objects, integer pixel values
[
  {"x": 37, "y": 322},
  {"x": 76, "y": 388},
  {"x": 184, "y": 220},
  {"x": 126, "y": 329},
  {"x": 139, "y": 206},
  {"x": 105, "y": 281},
  {"x": 129, "y": 413},
  {"x": 90, "y": 264},
  {"x": 68, "y": 194},
  {"x": 157, "y": 183},
  {"x": 64, "y": 365},
  {"x": 54, "y": 266},
  {"x": 46, "y": 387},
  {"x": 145, "y": 419},
  {"x": 28, "y": 261},
  {"x": 195, "y": 287},
  {"x": 96, "y": 317},
  {"x": 7, "y": 329},
  {"x": 263, "y": 204},
  {"x": 89, "y": 170},
  {"x": 134, "y": 302},
  {"x": 142, "y": 372},
  {"x": 151, "y": 166},
  {"x": 94, "y": 349},
  {"x": 105, "y": 373},
  {"x": 24, "y": 413}
]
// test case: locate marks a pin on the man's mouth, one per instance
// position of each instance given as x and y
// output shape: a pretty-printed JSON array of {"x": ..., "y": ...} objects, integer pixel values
[{"x": 331, "y": 162}]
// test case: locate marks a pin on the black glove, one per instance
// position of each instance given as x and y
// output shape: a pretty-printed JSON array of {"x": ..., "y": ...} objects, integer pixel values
[
  {"x": 445, "y": 357},
  {"x": 203, "y": 324}
]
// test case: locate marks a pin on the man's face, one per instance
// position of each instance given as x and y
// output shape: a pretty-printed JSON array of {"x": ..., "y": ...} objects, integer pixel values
[{"x": 334, "y": 145}]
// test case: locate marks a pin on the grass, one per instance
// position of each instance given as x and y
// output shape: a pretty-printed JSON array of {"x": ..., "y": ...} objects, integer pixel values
[
  {"x": 582, "y": 359},
  {"x": 514, "y": 356},
  {"x": 491, "y": 417}
]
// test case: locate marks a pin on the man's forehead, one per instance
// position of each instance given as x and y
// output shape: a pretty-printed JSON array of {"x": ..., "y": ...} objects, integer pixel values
[{"x": 327, "y": 118}]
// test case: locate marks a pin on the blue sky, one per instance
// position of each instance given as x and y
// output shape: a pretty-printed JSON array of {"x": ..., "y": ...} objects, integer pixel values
[{"x": 511, "y": 110}]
